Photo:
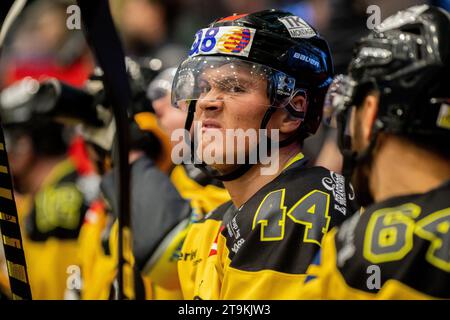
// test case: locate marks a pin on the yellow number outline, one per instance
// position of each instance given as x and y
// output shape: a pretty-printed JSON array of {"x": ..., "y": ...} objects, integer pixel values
[
  {"x": 49, "y": 208},
  {"x": 388, "y": 215},
  {"x": 309, "y": 225},
  {"x": 435, "y": 242},
  {"x": 265, "y": 222}
]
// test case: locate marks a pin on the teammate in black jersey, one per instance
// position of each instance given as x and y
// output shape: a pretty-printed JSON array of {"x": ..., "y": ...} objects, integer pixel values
[{"x": 393, "y": 114}]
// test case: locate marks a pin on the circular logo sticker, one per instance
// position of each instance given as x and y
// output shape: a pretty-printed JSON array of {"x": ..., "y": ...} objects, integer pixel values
[{"x": 234, "y": 41}]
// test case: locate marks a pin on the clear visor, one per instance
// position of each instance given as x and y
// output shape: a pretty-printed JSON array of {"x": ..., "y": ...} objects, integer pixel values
[
  {"x": 161, "y": 85},
  {"x": 338, "y": 99},
  {"x": 228, "y": 79}
]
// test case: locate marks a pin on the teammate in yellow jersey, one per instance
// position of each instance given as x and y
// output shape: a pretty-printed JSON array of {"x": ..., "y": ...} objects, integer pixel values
[
  {"x": 52, "y": 205},
  {"x": 202, "y": 192},
  {"x": 157, "y": 212},
  {"x": 160, "y": 216},
  {"x": 244, "y": 74},
  {"x": 393, "y": 115}
]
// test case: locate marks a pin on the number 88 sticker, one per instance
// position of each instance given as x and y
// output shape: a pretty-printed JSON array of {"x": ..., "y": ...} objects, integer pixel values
[{"x": 224, "y": 40}]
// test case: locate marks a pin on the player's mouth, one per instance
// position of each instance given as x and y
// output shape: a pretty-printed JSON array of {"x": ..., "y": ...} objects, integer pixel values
[{"x": 210, "y": 124}]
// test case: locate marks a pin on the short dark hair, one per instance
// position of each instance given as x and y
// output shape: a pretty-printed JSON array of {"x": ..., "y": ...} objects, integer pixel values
[{"x": 436, "y": 144}]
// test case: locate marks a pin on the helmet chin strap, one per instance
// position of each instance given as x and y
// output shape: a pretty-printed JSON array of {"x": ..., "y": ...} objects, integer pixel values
[
  {"x": 241, "y": 169},
  {"x": 351, "y": 159}
]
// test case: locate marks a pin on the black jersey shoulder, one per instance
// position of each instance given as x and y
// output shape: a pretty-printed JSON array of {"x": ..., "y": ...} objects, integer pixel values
[
  {"x": 281, "y": 227},
  {"x": 304, "y": 180},
  {"x": 220, "y": 212},
  {"x": 406, "y": 237}
]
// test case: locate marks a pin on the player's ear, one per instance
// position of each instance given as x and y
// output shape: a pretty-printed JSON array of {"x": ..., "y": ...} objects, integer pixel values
[
  {"x": 368, "y": 117},
  {"x": 290, "y": 123}
]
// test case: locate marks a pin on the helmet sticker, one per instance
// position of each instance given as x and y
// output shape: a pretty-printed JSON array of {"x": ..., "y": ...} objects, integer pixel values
[
  {"x": 285, "y": 84},
  {"x": 401, "y": 18},
  {"x": 307, "y": 59},
  {"x": 233, "y": 17},
  {"x": 443, "y": 120},
  {"x": 297, "y": 27},
  {"x": 228, "y": 40}
]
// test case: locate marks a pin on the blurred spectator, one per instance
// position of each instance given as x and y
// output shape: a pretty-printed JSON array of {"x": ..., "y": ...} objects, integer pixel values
[
  {"x": 146, "y": 32},
  {"x": 248, "y": 6},
  {"x": 40, "y": 44}
]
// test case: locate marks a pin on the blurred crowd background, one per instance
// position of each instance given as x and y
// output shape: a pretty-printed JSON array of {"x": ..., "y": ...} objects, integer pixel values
[
  {"x": 159, "y": 33},
  {"x": 156, "y": 34},
  {"x": 164, "y": 29}
]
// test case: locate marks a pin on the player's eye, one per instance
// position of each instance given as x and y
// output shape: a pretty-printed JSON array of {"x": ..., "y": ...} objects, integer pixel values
[
  {"x": 230, "y": 86},
  {"x": 237, "y": 89},
  {"x": 204, "y": 87}
]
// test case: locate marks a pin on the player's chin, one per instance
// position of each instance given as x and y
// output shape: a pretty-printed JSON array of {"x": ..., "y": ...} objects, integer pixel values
[
  {"x": 226, "y": 163},
  {"x": 211, "y": 153},
  {"x": 224, "y": 168}
]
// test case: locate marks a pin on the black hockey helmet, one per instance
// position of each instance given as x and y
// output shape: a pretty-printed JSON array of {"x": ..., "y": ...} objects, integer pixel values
[
  {"x": 277, "y": 46},
  {"x": 406, "y": 60}
]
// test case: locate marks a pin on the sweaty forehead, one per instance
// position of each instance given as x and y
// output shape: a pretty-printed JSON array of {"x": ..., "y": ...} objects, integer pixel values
[{"x": 241, "y": 72}]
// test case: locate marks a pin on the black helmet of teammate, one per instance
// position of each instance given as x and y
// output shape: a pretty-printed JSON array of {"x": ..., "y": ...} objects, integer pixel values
[
  {"x": 283, "y": 48},
  {"x": 406, "y": 60}
]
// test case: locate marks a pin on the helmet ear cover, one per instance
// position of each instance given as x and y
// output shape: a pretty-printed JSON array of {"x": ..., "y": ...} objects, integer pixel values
[{"x": 292, "y": 109}]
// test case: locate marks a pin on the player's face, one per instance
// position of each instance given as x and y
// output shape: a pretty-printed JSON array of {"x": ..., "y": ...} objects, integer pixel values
[
  {"x": 21, "y": 158},
  {"x": 169, "y": 118},
  {"x": 235, "y": 100}
]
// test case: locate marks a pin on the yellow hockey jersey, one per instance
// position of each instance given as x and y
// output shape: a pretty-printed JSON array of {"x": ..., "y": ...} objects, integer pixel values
[
  {"x": 203, "y": 195},
  {"x": 52, "y": 220},
  {"x": 263, "y": 249},
  {"x": 157, "y": 256}
]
